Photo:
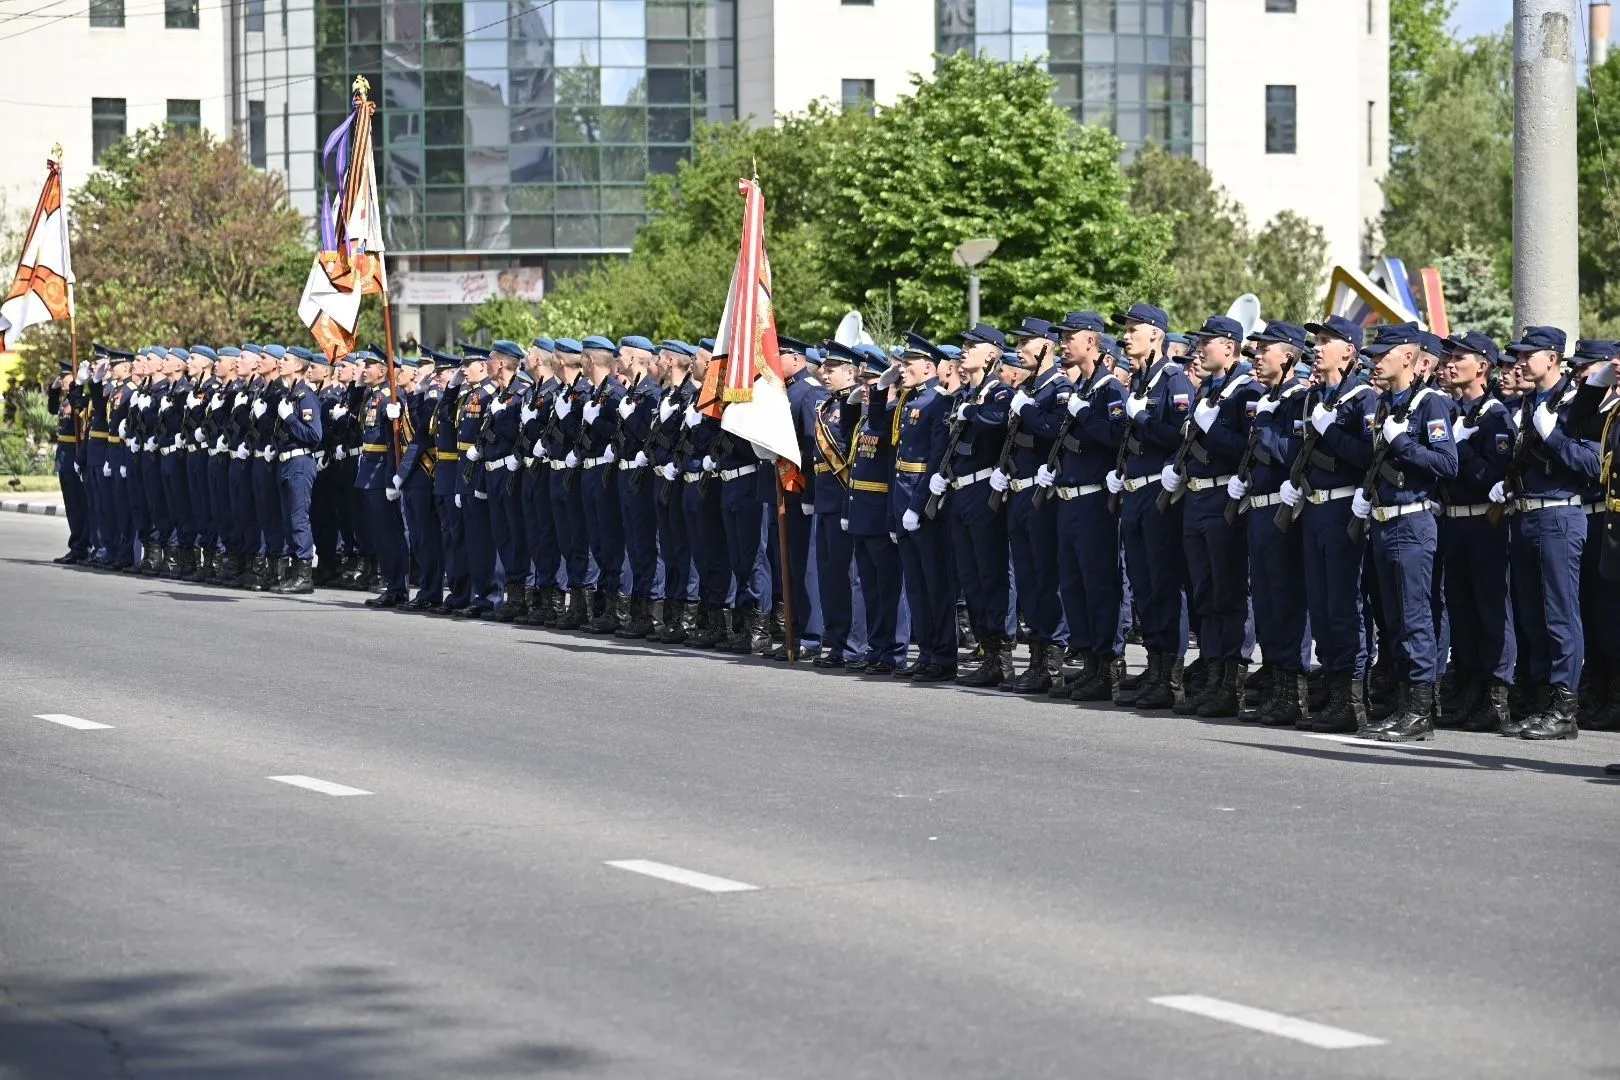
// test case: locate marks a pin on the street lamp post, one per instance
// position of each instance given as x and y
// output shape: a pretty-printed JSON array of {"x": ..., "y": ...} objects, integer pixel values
[{"x": 968, "y": 256}]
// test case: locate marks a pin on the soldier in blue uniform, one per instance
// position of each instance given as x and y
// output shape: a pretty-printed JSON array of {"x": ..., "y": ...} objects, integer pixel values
[
  {"x": 414, "y": 480},
  {"x": 471, "y": 497},
  {"x": 804, "y": 393},
  {"x": 442, "y": 437},
  {"x": 97, "y": 472},
  {"x": 1160, "y": 398},
  {"x": 66, "y": 399},
  {"x": 501, "y": 464},
  {"x": 244, "y": 565},
  {"x": 705, "y": 523},
  {"x": 743, "y": 513},
  {"x": 1592, "y": 415},
  {"x": 216, "y": 453},
  {"x": 204, "y": 534},
  {"x": 674, "y": 542},
  {"x": 266, "y": 491},
  {"x": 832, "y": 430},
  {"x": 1546, "y": 490},
  {"x": 297, "y": 438},
  {"x": 119, "y": 468},
  {"x": 540, "y": 536},
  {"x": 637, "y": 414},
  {"x": 567, "y": 509},
  {"x": 380, "y": 415},
  {"x": 172, "y": 437},
  {"x": 594, "y": 456},
  {"x": 159, "y": 518},
  {"x": 921, "y": 434},
  {"x": 867, "y": 518}
]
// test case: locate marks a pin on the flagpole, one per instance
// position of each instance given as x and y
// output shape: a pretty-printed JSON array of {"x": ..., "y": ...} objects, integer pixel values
[
  {"x": 67, "y": 264},
  {"x": 367, "y": 109},
  {"x": 783, "y": 548}
]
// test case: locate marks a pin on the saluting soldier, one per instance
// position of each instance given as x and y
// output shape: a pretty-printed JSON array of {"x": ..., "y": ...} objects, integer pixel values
[
  {"x": 921, "y": 437},
  {"x": 444, "y": 436},
  {"x": 66, "y": 399},
  {"x": 374, "y": 478},
  {"x": 567, "y": 507},
  {"x": 832, "y": 430},
  {"x": 217, "y": 462},
  {"x": 867, "y": 519},
  {"x": 499, "y": 449}
]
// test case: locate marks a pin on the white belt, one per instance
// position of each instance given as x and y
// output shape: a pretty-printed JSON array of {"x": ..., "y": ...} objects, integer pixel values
[
  {"x": 557, "y": 465},
  {"x": 1260, "y": 502},
  {"x": 1476, "y": 510},
  {"x": 593, "y": 462},
  {"x": 167, "y": 450},
  {"x": 1204, "y": 484},
  {"x": 625, "y": 466},
  {"x": 1594, "y": 508},
  {"x": 1067, "y": 493},
  {"x": 288, "y": 455},
  {"x": 1317, "y": 498},
  {"x": 493, "y": 466},
  {"x": 1545, "y": 504},
  {"x": 1390, "y": 513},
  {"x": 212, "y": 452},
  {"x": 691, "y": 477},
  {"x": 1020, "y": 485},
  {"x": 1141, "y": 482},
  {"x": 972, "y": 478},
  {"x": 737, "y": 474},
  {"x": 267, "y": 455}
]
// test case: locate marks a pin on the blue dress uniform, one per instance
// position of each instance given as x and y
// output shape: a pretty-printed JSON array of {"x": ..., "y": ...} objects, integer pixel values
[
  {"x": 471, "y": 494},
  {"x": 743, "y": 511},
  {"x": 71, "y": 407},
  {"x": 266, "y": 485},
  {"x": 1088, "y": 535},
  {"x": 870, "y": 523},
  {"x": 443, "y": 436},
  {"x": 669, "y": 498},
  {"x": 705, "y": 524},
  {"x": 1547, "y": 536},
  {"x": 832, "y": 430},
  {"x": 1593, "y": 415},
  {"x": 241, "y": 438},
  {"x": 123, "y": 479},
  {"x": 359, "y": 564},
  {"x": 804, "y": 394},
  {"x": 501, "y": 468},
  {"x": 97, "y": 472},
  {"x": 1418, "y": 459},
  {"x": 1032, "y": 528},
  {"x": 174, "y": 435},
  {"x": 160, "y": 523},
  {"x": 324, "y": 501},
  {"x": 204, "y": 534},
  {"x": 567, "y": 504},
  {"x": 978, "y": 534},
  {"x": 217, "y": 466},
  {"x": 604, "y": 527},
  {"x": 1478, "y": 587},
  {"x": 637, "y": 413},
  {"x": 298, "y": 438},
  {"x": 417, "y": 466},
  {"x": 545, "y": 556},
  {"x": 1154, "y": 557},
  {"x": 374, "y": 480},
  {"x": 920, "y": 434}
]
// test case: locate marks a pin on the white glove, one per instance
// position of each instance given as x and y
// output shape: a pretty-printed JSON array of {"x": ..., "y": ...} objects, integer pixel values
[
  {"x": 668, "y": 472},
  {"x": 1603, "y": 375},
  {"x": 123, "y": 429},
  {"x": 666, "y": 409},
  {"x": 78, "y": 470},
  {"x": 807, "y": 509},
  {"x": 1394, "y": 428},
  {"x": 320, "y": 459},
  {"x": 481, "y": 495},
  {"x": 495, "y": 407},
  {"x": 242, "y": 452},
  {"x": 626, "y": 407},
  {"x": 999, "y": 480},
  {"x": 1360, "y": 505},
  {"x": 1045, "y": 477},
  {"x": 216, "y": 403},
  {"x": 1115, "y": 482},
  {"x": 192, "y": 401},
  {"x": 1135, "y": 406},
  {"x": 591, "y": 412},
  {"x": 179, "y": 442},
  {"x": 1236, "y": 488},
  {"x": 395, "y": 481},
  {"x": 123, "y": 472},
  {"x": 339, "y": 411},
  {"x": 1078, "y": 404},
  {"x": 563, "y": 407},
  {"x": 391, "y": 494},
  {"x": 960, "y": 412},
  {"x": 526, "y": 414},
  {"x": 1019, "y": 400},
  {"x": 392, "y": 410},
  {"x": 693, "y": 417},
  {"x": 1291, "y": 495},
  {"x": 473, "y": 453},
  {"x": 151, "y": 444},
  {"x": 200, "y": 436},
  {"x": 1266, "y": 404},
  {"x": 708, "y": 463},
  {"x": 938, "y": 485},
  {"x": 911, "y": 521},
  {"x": 539, "y": 448},
  {"x": 1461, "y": 432},
  {"x": 259, "y": 409},
  {"x": 106, "y": 468},
  {"x": 1498, "y": 492},
  {"x": 894, "y": 538},
  {"x": 640, "y": 460},
  {"x": 1322, "y": 418},
  {"x": 1204, "y": 415},
  {"x": 1544, "y": 419},
  {"x": 1171, "y": 479},
  {"x": 572, "y": 460},
  {"x": 83, "y": 372},
  {"x": 608, "y": 455},
  {"x": 219, "y": 443},
  {"x": 843, "y": 523},
  {"x": 341, "y": 452},
  {"x": 101, "y": 370},
  {"x": 458, "y": 500},
  {"x": 511, "y": 462}
]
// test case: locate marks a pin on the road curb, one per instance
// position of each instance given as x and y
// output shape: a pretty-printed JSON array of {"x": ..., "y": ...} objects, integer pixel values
[{"x": 17, "y": 506}]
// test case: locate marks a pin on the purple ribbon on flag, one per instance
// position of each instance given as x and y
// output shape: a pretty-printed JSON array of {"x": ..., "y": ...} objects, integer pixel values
[{"x": 336, "y": 143}]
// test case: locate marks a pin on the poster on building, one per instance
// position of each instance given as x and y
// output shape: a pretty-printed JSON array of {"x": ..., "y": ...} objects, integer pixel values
[{"x": 418, "y": 288}]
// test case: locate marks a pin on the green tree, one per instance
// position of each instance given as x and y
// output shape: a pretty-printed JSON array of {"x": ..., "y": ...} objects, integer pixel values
[
  {"x": 1475, "y": 297},
  {"x": 1417, "y": 40},
  {"x": 1289, "y": 267},
  {"x": 1599, "y": 154},
  {"x": 1210, "y": 237}
]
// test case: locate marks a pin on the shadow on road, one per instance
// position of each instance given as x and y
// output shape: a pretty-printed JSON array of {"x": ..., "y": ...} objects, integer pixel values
[
  {"x": 1437, "y": 759},
  {"x": 210, "y": 598},
  {"x": 333, "y": 1023}
]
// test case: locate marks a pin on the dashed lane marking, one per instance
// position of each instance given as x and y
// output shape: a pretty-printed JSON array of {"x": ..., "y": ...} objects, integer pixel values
[
  {"x": 1288, "y": 1027},
  {"x": 665, "y": 872},
  {"x": 78, "y": 723},
  {"x": 325, "y": 787}
]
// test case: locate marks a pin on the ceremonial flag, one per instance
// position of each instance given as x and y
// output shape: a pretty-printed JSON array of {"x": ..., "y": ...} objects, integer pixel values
[
  {"x": 350, "y": 262},
  {"x": 755, "y": 391},
  {"x": 42, "y": 290}
]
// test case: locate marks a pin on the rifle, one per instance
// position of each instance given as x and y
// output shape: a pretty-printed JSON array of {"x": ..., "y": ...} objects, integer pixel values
[
  {"x": 1299, "y": 472},
  {"x": 1122, "y": 459},
  {"x": 1245, "y": 469},
  {"x": 1522, "y": 445},
  {"x": 679, "y": 452},
  {"x": 1004, "y": 458},
  {"x": 1190, "y": 435},
  {"x": 655, "y": 438},
  {"x": 947, "y": 468},
  {"x": 1056, "y": 455},
  {"x": 582, "y": 436},
  {"x": 1357, "y": 529}
]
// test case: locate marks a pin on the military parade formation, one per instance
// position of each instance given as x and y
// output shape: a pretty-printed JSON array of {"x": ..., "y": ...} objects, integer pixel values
[{"x": 1374, "y": 534}]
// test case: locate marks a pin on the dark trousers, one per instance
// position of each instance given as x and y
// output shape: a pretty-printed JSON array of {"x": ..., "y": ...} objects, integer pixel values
[
  {"x": 423, "y": 538},
  {"x": 222, "y": 524},
  {"x": 295, "y": 480},
  {"x": 75, "y": 502},
  {"x": 545, "y": 557},
  {"x": 124, "y": 480},
  {"x": 802, "y": 571},
  {"x": 159, "y": 514},
  {"x": 979, "y": 539},
  {"x": 1154, "y": 560},
  {"x": 506, "y": 528},
  {"x": 1478, "y": 596},
  {"x": 480, "y": 546},
  {"x": 640, "y": 527},
  {"x": 604, "y": 529},
  {"x": 1600, "y": 604},
  {"x": 386, "y": 527},
  {"x": 1279, "y": 596},
  {"x": 267, "y": 503},
  {"x": 203, "y": 534},
  {"x": 1089, "y": 575},
  {"x": 1218, "y": 569},
  {"x": 453, "y": 539},
  {"x": 877, "y": 565},
  {"x": 323, "y": 515},
  {"x": 1403, "y": 554},
  {"x": 95, "y": 490},
  {"x": 1032, "y": 532},
  {"x": 177, "y": 494},
  {"x": 1333, "y": 587},
  {"x": 244, "y": 509},
  {"x": 568, "y": 520},
  {"x": 930, "y": 592},
  {"x": 706, "y": 530},
  {"x": 841, "y": 633},
  {"x": 746, "y": 531},
  {"x": 1545, "y": 548},
  {"x": 674, "y": 542}
]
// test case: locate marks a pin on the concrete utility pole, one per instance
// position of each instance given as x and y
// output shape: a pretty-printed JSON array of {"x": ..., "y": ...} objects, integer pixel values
[{"x": 1546, "y": 238}]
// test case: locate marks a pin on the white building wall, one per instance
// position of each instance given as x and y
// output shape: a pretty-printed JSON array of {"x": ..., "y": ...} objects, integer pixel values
[
  {"x": 54, "y": 66},
  {"x": 1341, "y": 75}
]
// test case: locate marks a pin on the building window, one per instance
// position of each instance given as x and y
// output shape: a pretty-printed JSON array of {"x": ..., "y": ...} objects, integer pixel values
[
  {"x": 107, "y": 13},
  {"x": 1280, "y": 116},
  {"x": 858, "y": 94},
  {"x": 107, "y": 121},
  {"x": 258, "y": 152},
  {"x": 1281, "y": 7},
  {"x": 185, "y": 114},
  {"x": 253, "y": 18},
  {"x": 180, "y": 14}
]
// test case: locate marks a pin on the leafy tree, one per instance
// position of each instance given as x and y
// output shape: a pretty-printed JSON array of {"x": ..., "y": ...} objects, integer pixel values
[
  {"x": 1289, "y": 264},
  {"x": 1475, "y": 297},
  {"x": 1599, "y": 154},
  {"x": 1209, "y": 242},
  {"x": 1417, "y": 40}
]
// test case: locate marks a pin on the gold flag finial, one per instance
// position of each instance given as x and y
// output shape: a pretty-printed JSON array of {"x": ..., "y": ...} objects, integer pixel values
[
  {"x": 56, "y": 151},
  {"x": 361, "y": 86}
]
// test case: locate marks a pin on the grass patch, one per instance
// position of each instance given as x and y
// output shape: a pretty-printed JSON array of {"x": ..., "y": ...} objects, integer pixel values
[{"x": 29, "y": 484}]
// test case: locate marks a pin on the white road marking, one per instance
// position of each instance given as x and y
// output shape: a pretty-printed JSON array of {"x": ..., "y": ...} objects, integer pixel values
[
  {"x": 1318, "y": 1035},
  {"x": 706, "y": 882},
  {"x": 75, "y": 722},
  {"x": 325, "y": 787},
  {"x": 1351, "y": 740}
]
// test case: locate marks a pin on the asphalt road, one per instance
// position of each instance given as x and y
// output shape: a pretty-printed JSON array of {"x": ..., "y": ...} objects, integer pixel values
[{"x": 944, "y": 883}]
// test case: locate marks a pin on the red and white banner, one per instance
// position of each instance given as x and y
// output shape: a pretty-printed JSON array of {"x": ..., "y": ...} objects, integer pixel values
[{"x": 42, "y": 290}]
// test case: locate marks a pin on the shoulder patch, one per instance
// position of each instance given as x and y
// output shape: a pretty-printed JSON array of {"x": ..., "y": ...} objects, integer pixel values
[
  {"x": 1438, "y": 431},
  {"x": 1371, "y": 421},
  {"x": 1181, "y": 401},
  {"x": 1116, "y": 410},
  {"x": 308, "y": 415},
  {"x": 1249, "y": 406},
  {"x": 1504, "y": 443}
]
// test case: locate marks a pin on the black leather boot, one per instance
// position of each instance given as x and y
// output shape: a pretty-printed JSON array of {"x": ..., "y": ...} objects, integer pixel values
[
  {"x": 1605, "y": 715},
  {"x": 640, "y": 623},
  {"x": 1557, "y": 721},
  {"x": 579, "y": 606},
  {"x": 1339, "y": 717},
  {"x": 1257, "y": 688},
  {"x": 1200, "y": 686},
  {"x": 1161, "y": 693},
  {"x": 1467, "y": 692},
  {"x": 1132, "y": 685},
  {"x": 1037, "y": 677},
  {"x": 1291, "y": 702},
  {"x": 1540, "y": 700},
  {"x": 1492, "y": 711},
  {"x": 997, "y": 661},
  {"x": 676, "y": 631},
  {"x": 709, "y": 627},
  {"x": 301, "y": 579},
  {"x": 1194, "y": 678},
  {"x": 1090, "y": 671},
  {"x": 965, "y": 638},
  {"x": 1415, "y": 721},
  {"x": 1225, "y": 696}
]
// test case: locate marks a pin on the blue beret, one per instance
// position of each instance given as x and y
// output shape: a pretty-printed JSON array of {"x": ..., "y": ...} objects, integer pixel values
[
  {"x": 230, "y": 350},
  {"x": 274, "y": 350},
  {"x": 636, "y": 341},
  {"x": 1082, "y": 320},
  {"x": 252, "y": 348},
  {"x": 544, "y": 343},
  {"x": 1219, "y": 326},
  {"x": 179, "y": 354},
  {"x": 948, "y": 352},
  {"x": 1110, "y": 345},
  {"x": 204, "y": 350},
  {"x": 597, "y": 341},
  {"x": 706, "y": 344},
  {"x": 1286, "y": 333},
  {"x": 570, "y": 346},
  {"x": 1537, "y": 338},
  {"x": 1010, "y": 358},
  {"x": 1480, "y": 344},
  {"x": 507, "y": 348},
  {"x": 300, "y": 352},
  {"x": 676, "y": 346},
  {"x": 1144, "y": 313},
  {"x": 1337, "y": 326},
  {"x": 1393, "y": 337}
]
